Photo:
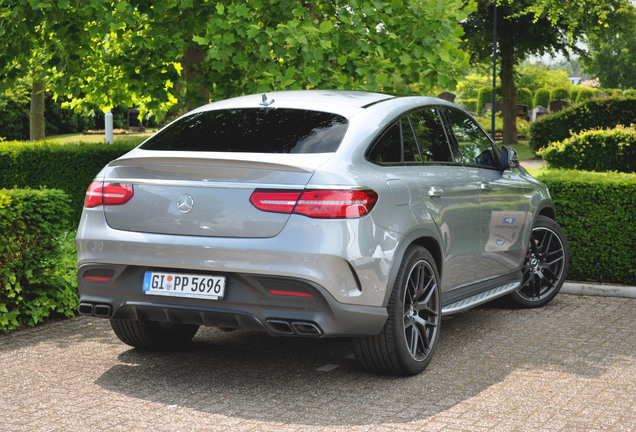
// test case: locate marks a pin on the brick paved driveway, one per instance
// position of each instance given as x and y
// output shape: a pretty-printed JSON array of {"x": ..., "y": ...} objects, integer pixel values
[{"x": 570, "y": 366}]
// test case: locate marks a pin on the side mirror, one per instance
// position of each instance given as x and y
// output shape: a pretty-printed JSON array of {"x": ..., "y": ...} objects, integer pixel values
[{"x": 509, "y": 158}]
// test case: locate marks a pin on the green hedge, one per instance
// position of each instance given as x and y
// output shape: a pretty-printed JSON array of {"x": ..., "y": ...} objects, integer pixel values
[
  {"x": 35, "y": 280},
  {"x": 594, "y": 113},
  {"x": 524, "y": 97},
  {"x": 484, "y": 96},
  {"x": 574, "y": 93},
  {"x": 470, "y": 104},
  {"x": 598, "y": 214},
  {"x": 585, "y": 94},
  {"x": 559, "y": 93},
  {"x": 541, "y": 97},
  {"x": 69, "y": 167},
  {"x": 595, "y": 150}
]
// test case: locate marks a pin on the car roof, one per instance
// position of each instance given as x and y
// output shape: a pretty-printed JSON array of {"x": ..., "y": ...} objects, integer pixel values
[{"x": 343, "y": 102}]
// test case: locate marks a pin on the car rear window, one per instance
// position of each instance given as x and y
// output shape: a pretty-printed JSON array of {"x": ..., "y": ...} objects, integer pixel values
[{"x": 258, "y": 130}]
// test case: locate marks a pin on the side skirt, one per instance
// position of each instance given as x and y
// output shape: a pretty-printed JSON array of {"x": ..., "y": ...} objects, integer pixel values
[{"x": 477, "y": 298}]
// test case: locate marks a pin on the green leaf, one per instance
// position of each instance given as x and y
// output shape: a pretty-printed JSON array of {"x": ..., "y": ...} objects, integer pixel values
[
  {"x": 201, "y": 40},
  {"x": 326, "y": 26}
]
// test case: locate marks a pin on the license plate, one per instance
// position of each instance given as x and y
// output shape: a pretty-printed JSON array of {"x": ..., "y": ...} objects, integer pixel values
[{"x": 184, "y": 285}]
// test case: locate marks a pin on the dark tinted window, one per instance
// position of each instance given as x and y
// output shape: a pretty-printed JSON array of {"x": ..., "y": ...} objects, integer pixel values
[
  {"x": 396, "y": 145},
  {"x": 430, "y": 136},
  {"x": 259, "y": 130},
  {"x": 388, "y": 149},
  {"x": 474, "y": 145},
  {"x": 411, "y": 152}
]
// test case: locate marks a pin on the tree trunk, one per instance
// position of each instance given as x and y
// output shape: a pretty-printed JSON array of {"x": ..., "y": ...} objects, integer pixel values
[
  {"x": 197, "y": 93},
  {"x": 509, "y": 90},
  {"x": 36, "y": 113}
]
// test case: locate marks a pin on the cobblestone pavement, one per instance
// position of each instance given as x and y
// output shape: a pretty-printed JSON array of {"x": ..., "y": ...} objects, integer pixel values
[{"x": 570, "y": 366}]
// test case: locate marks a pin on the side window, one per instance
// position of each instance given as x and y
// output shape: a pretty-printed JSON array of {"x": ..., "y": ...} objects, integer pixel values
[
  {"x": 388, "y": 149},
  {"x": 430, "y": 136},
  {"x": 411, "y": 152},
  {"x": 475, "y": 147},
  {"x": 396, "y": 145}
]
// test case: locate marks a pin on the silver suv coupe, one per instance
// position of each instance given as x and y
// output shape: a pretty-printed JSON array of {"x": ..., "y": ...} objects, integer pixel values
[{"x": 316, "y": 214}]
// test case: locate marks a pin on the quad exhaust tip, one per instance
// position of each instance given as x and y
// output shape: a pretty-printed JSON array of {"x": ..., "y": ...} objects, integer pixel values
[{"x": 96, "y": 310}]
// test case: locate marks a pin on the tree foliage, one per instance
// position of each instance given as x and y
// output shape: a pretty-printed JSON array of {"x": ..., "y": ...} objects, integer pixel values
[
  {"x": 613, "y": 57},
  {"x": 536, "y": 76},
  {"x": 153, "y": 54}
]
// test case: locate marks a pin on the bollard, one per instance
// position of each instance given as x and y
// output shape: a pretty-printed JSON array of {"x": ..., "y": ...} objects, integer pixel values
[{"x": 108, "y": 122}]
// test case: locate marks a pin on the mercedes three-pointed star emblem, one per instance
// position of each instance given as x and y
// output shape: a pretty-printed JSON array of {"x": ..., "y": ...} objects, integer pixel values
[{"x": 185, "y": 203}]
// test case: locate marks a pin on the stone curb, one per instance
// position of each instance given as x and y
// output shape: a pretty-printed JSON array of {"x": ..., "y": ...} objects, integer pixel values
[{"x": 603, "y": 290}]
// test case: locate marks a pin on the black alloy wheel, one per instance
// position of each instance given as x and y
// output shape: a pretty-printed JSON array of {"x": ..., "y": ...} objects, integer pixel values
[
  {"x": 421, "y": 310},
  {"x": 545, "y": 266},
  {"x": 407, "y": 342}
]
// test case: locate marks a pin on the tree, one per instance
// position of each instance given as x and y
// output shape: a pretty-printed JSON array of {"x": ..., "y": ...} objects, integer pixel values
[
  {"x": 531, "y": 27},
  {"x": 45, "y": 38},
  {"x": 613, "y": 58}
]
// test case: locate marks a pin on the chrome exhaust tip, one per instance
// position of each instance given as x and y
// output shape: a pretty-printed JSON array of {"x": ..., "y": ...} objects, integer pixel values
[{"x": 306, "y": 328}]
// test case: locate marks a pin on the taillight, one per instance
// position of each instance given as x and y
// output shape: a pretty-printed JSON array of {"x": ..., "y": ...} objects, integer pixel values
[
  {"x": 276, "y": 201},
  {"x": 103, "y": 193},
  {"x": 323, "y": 203}
]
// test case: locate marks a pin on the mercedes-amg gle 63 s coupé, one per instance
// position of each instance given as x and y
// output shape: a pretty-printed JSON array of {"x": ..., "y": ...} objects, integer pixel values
[{"x": 316, "y": 214}]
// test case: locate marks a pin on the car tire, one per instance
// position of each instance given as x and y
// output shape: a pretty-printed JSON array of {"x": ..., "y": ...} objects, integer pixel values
[
  {"x": 408, "y": 340},
  {"x": 545, "y": 267},
  {"x": 150, "y": 335}
]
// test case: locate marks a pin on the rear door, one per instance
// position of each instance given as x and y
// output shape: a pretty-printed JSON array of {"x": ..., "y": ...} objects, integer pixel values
[{"x": 446, "y": 192}]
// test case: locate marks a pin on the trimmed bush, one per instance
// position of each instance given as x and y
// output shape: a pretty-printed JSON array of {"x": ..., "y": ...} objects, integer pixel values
[
  {"x": 559, "y": 93},
  {"x": 69, "y": 167},
  {"x": 630, "y": 93},
  {"x": 524, "y": 97},
  {"x": 541, "y": 97},
  {"x": 594, "y": 113},
  {"x": 484, "y": 97},
  {"x": 585, "y": 94},
  {"x": 34, "y": 276},
  {"x": 595, "y": 150},
  {"x": 574, "y": 93},
  {"x": 470, "y": 105},
  {"x": 596, "y": 212}
]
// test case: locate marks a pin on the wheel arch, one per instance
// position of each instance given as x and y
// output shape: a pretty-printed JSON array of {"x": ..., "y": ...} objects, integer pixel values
[
  {"x": 430, "y": 240},
  {"x": 548, "y": 212}
]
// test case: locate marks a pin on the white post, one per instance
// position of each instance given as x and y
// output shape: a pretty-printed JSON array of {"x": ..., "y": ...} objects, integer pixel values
[{"x": 108, "y": 122}]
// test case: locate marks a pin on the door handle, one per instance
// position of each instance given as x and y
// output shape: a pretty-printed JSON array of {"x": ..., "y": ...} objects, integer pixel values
[
  {"x": 485, "y": 187},
  {"x": 435, "y": 192}
]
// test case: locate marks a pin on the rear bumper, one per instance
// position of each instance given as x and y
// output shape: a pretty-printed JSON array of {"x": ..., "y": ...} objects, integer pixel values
[
  {"x": 248, "y": 304},
  {"x": 348, "y": 259}
]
